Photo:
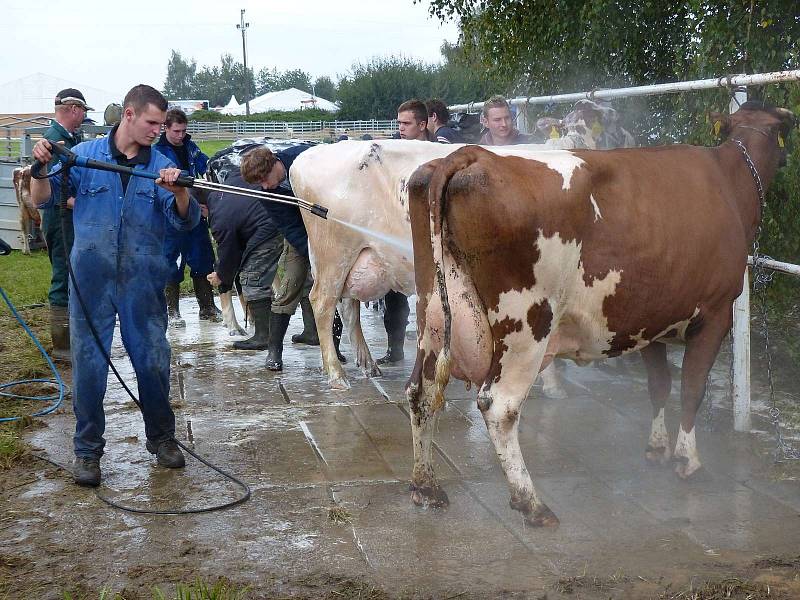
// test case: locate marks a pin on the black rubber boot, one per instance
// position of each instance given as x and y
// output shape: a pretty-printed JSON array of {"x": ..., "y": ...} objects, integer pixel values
[
  {"x": 59, "y": 333},
  {"x": 260, "y": 309},
  {"x": 395, "y": 320},
  {"x": 167, "y": 454},
  {"x": 172, "y": 292},
  {"x": 278, "y": 324},
  {"x": 86, "y": 471},
  {"x": 337, "y": 336},
  {"x": 309, "y": 335},
  {"x": 205, "y": 299}
]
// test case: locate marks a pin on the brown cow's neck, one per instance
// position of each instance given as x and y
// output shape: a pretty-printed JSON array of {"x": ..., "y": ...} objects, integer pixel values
[{"x": 762, "y": 151}]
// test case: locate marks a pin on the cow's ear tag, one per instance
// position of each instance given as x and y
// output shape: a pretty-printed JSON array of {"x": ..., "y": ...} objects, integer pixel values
[
  {"x": 781, "y": 143},
  {"x": 597, "y": 129},
  {"x": 717, "y": 127},
  {"x": 554, "y": 134}
]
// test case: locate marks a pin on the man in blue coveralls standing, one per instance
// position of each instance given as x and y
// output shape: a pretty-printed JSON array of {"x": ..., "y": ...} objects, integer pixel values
[
  {"x": 192, "y": 247},
  {"x": 120, "y": 269}
]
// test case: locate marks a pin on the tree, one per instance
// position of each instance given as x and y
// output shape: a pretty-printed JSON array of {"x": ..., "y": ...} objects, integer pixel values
[
  {"x": 324, "y": 87},
  {"x": 296, "y": 78},
  {"x": 267, "y": 80},
  {"x": 374, "y": 90},
  {"x": 180, "y": 77}
]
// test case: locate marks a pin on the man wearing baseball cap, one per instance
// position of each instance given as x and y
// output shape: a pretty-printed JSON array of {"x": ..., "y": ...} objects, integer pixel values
[{"x": 70, "y": 111}]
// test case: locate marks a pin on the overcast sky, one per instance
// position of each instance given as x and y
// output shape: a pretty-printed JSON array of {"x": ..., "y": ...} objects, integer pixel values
[{"x": 115, "y": 45}]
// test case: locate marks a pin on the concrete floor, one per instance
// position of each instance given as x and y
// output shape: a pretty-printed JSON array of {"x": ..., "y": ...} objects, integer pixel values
[{"x": 304, "y": 449}]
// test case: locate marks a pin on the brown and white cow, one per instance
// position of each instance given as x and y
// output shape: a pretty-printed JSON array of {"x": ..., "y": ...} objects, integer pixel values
[
  {"x": 585, "y": 255},
  {"x": 364, "y": 185},
  {"x": 28, "y": 215}
]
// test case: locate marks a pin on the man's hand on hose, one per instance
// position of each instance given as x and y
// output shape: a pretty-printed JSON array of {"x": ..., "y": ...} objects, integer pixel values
[
  {"x": 167, "y": 179},
  {"x": 42, "y": 151}
]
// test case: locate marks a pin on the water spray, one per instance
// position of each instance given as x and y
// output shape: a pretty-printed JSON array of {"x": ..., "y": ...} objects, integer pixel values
[{"x": 69, "y": 159}]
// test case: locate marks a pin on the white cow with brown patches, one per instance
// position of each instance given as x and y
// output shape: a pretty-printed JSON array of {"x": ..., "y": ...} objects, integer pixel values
[
  {"x": 584, "y": 255},
  {"x": 364, "y": 184}
]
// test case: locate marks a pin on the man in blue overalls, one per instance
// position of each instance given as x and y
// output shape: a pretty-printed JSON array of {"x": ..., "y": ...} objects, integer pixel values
[
  {"x": 119, "y": 267},
  {"x": 192, "y": 247}
]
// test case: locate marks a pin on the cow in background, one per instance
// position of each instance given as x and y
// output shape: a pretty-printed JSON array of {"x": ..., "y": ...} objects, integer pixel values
[
  {"x": 28, "y": 214},
  {"x": 585, "y": 255}
]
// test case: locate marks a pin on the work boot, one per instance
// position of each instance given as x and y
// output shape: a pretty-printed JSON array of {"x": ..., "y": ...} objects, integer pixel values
[
  {"x": 260, "y": 309},
  {"x": 337, "y": 336},
  {"x": 395, "y": 352},
  {"x": 205, "y": 299},
  {"x": 172, "y": 293},
  {"x": 86, "y": 471},
  {"x": 59, "y": 333},
  {"x": 167, "y": 454},
  {"x": 309, "y": 335},
  {"x": 278, "y": 324}
]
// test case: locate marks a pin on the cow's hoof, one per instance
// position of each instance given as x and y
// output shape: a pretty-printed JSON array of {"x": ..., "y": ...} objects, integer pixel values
[
  {"x": 339, "y": 383},
  {"x": 542, "y": 517},
  {"x": 429, "y": 496},
  {"x": 554, "y": 393},
  {"x": 657, "y": 457},
  {"x": 373, "y": 371},
  {"x": 686, "y": 469}
]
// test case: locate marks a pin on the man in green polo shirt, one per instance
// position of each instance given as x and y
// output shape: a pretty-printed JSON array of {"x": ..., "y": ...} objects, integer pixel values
[{"x": 70, "y": 111}]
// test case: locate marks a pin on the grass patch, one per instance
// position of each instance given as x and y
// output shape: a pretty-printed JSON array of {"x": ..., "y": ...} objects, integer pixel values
[
  {"x": 727, "y": 589},
  {"x": 211, "y": 147},
  {"x": 339, "y": 515},
  {"x": 12, "y": 448}
]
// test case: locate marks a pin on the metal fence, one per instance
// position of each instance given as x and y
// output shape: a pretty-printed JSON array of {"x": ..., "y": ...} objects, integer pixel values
[{"x": 311, "y": 130}]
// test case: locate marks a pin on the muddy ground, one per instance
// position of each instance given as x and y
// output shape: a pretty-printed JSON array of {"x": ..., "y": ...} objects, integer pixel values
[{"x": 330, "y": 514}]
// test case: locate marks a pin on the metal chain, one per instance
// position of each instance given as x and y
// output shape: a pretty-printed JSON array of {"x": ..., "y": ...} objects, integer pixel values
[{"x": 762, "y": 278}]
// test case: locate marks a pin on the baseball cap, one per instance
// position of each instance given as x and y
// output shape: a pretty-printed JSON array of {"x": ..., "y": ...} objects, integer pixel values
[{"x": 72, "y": 96}]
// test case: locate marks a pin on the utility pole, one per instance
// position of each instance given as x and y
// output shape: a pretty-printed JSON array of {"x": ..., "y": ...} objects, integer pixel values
[{"x": 243, "y": 26}]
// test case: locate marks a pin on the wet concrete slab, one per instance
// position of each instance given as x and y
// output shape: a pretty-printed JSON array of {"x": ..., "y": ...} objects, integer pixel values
[{"x": 305, "y": 449}]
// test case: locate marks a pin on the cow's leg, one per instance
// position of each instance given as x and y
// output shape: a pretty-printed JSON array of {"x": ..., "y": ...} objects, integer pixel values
[
  {"x": 551, "y": 384},
  {"x": 501, "y": 402},
  {"x": 351, "y": 318},
  {"x": 324, "y": 304},
  {"x": 702, "y": 346},
  {"x": 229, "y": 315},
  {"x": 659, "y": 384},
  {"x": 425, "y": 490}
]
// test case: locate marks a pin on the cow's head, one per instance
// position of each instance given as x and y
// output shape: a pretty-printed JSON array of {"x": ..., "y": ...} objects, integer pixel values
[
  {"x": 773, "y": 123},
  {"x": 550, "y": 127},
  {"x": 597, "y": 122}
]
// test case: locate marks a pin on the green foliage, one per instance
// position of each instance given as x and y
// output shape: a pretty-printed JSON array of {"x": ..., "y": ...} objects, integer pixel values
[
  {"x": 324, "y": 87},
  {"x": 272, "y": 80},
  {"x": 180, "y": 77},
  {"x": 375, "y": 89}
]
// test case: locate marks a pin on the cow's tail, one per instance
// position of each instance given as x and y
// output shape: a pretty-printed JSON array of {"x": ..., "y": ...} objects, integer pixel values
[{"x": 437, "y": 192}]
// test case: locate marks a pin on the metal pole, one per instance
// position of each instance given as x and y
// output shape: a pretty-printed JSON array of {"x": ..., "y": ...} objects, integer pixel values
[
  {"x": 243, "y": 26},
  {"x": 741, "y": 331},
  {"x": 650, "y": 90}
]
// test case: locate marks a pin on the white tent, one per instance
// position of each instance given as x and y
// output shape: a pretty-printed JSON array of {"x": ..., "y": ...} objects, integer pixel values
[
  {"x": 34, "y": 94},
  {"x": 231, "y": 108},
  {"x": 284, "y": 100}
]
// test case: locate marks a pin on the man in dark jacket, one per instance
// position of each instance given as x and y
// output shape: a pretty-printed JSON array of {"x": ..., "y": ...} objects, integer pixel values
[
  {"x": 438, "y": 117},
  {"x": 271, "y": 172},
  {"x": 248, "y": 243},
  {"x": 192, "y": 247}
]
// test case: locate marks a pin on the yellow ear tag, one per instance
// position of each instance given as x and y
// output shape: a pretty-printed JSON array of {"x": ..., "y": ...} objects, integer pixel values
[
  {"x": 554, "y": 134},
  {"x": 597, "y": 129},
  {"x": 781, "y": 143},
  {"x": 717, "y": 127}
]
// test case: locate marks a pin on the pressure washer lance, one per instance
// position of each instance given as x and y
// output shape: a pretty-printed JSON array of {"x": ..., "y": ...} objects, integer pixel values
[{"x": 70, "y": 159}]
